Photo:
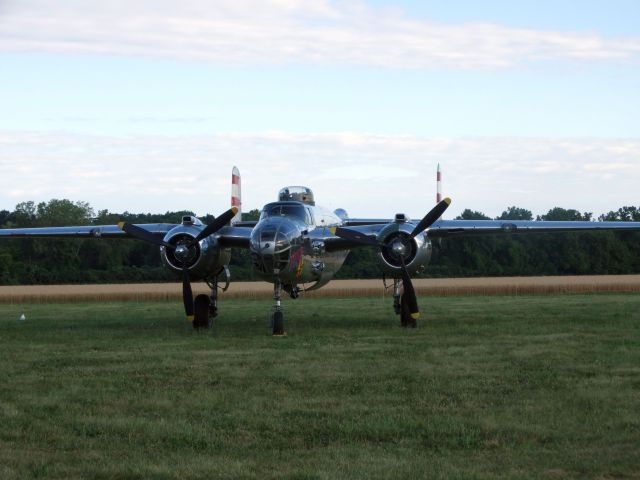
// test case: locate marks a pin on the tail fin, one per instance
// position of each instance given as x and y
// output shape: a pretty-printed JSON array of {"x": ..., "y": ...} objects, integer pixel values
[
  {"x": 438, "y": 185},
  {"x": 236, "y": 194}
]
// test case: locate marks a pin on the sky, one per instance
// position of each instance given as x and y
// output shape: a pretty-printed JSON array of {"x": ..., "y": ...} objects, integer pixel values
[{"x": 146, "y": 105}]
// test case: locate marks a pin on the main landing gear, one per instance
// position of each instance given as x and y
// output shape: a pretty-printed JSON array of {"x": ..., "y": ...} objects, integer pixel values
[
  {"x": 401, "y": 306},
  {"x": 206, "y": 306}
]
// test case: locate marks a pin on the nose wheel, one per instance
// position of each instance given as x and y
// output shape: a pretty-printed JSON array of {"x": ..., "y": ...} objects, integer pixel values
[
  {"x": 277, "y": 323},
  {"x": 277, "y": 317}
]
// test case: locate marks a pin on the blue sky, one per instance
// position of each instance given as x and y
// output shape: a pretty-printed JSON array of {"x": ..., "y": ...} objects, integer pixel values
[{"x": 144, "y": 106}]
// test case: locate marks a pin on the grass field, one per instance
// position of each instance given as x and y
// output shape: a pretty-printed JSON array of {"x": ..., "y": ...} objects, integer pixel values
[{"x": 486, "y": 387}]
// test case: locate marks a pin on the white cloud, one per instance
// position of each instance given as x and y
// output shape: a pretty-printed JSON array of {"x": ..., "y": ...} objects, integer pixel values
[
  {"x": 249, "y": 32},
  {"x": 369, "y": 175}
]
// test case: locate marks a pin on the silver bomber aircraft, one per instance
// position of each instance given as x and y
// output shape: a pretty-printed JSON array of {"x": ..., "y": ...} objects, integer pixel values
[{"x": 299, "y": 246}]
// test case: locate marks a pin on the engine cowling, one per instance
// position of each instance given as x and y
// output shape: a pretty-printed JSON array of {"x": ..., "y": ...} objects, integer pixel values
[
  {"x": 415, "y": 251},
  {"x": 206, "y": 258}
]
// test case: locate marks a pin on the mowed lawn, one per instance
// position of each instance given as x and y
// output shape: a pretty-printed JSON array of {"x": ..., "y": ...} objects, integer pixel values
[{"x": 486, "y": 387}]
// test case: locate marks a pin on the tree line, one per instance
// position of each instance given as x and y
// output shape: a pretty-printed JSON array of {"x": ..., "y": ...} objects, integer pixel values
[{"x": 52, "y": 261}]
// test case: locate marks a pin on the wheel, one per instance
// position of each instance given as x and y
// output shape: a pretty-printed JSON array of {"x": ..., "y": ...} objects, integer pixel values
[
  {"x": 277, "y": 327},
  {"x": 201, "y": 312},
  {"x": 405, "y": 315}
]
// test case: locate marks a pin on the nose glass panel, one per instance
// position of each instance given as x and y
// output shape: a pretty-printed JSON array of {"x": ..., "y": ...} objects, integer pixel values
[{"x": 271, "y": 246}]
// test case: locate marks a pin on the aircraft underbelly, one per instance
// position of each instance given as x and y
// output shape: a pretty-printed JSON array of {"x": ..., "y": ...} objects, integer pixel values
[{"x": 307, "y": 269}]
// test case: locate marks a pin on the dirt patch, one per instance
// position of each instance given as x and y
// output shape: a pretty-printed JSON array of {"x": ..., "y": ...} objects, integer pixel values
[{"x": 337, "y": 288}]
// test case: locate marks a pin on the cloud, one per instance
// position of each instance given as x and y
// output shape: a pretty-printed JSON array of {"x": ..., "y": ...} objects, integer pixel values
[
  {"x": 369, "y": 175},
  {"x": 268, "y": 32}
]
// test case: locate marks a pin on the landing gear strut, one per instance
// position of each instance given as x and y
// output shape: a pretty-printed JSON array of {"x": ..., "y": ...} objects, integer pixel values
[
  {"x": 277, "y": 317},
  {"x": 206, "y": 306},
  {"x": 213, "y": 298}
]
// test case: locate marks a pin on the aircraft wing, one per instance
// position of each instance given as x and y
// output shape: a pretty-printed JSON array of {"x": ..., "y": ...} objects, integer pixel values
[
  {"x": 234, "y": 236},
  {"x": 228, "y": 236},
  {"x": 358, "y": 222},
  {"x": 85, "y": 231},
  {"x": 453, "y": 228},
  {"x": 446, "y": 228}
]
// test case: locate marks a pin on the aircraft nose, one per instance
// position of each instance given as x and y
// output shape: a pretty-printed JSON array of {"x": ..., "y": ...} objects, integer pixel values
[
  {"x": 271, "y": 245},
  {"x": 269, "y": 240}
]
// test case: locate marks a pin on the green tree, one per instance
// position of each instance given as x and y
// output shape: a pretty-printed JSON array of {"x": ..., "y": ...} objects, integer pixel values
[
  {"x": 4, "y": 217},
  {"x": 623, "y": 214},
  {"x": 468, "y": 214},
  {"x": 55, "y": 213},
  {"x": 24, "y": 215},
  {"x": 559, "y": 214},
  {"x": 6, "y": 269},
  {"x": 515, "y": 213},
  {"x": 253, "y": 214}
]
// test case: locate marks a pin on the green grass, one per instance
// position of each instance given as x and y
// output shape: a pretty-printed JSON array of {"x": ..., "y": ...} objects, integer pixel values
[{"x": 510, "y": 387}]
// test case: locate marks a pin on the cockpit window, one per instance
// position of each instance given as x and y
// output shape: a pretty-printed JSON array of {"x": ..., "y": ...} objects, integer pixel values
[{"x": 285, "y": 210}]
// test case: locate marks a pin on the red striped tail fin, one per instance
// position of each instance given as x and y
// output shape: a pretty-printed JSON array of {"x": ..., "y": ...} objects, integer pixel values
[
  {"x": 236, "y": 194},
  {"x": 438, "y": 185}
]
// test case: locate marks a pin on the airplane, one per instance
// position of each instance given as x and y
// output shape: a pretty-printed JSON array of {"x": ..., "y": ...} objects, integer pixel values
[{"x": 299, "y": 246}]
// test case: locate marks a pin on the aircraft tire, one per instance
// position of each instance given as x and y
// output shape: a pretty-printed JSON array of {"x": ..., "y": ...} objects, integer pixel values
[
  {"x": 278, "y": 323},
  {"x": 201, "y": 317}
]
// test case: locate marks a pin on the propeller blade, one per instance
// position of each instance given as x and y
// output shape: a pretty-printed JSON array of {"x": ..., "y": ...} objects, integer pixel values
[
  {"x": 357, "y": 237},
  {"x": 142, "y": 234},
  {"x": 187, "y": 294},
  {"x": 410, "y": 293},
  {"x": 216, "y": 225},
  {"x": 435, "y": 213}
]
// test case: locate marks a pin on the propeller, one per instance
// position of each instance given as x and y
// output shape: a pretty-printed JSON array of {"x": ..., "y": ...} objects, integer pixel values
[
  {"x": 429, "y": 219},
  {"x": 181, "y": 250},
  {"x": 214, "y": 226},
  {"x": 409, "y": 291},
  {"x": 356, "y": 236},
  {"x": 187, "y": 293},
  {"x": 434, "y": 214},
  {"x": 142, "y": 234}
]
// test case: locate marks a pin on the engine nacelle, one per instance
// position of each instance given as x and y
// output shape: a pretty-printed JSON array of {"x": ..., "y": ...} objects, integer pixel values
[
  {"x": 416, "y": 251},
  {"x": 206, "y": 258}
]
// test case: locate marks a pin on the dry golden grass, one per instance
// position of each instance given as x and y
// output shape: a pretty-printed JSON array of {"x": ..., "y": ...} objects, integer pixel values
[{"x": 337, "y": 288}]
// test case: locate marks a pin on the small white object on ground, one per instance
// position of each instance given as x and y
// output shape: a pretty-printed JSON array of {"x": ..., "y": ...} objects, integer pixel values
[{"x": 23, "y": 317}]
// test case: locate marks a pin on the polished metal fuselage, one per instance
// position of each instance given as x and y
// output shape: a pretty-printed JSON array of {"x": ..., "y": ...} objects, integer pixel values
[{"x": 289, "y": 248}]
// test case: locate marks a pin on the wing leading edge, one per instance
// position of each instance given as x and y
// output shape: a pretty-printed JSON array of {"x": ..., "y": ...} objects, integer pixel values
[
  {"x": 453, "y": 228},
  {"x": 445, "y": 228},
  {"x": 86, "y": 231}
]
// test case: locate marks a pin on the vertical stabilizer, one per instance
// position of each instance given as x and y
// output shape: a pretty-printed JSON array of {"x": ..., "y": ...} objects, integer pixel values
[
  {"x": 438, "y": 185},
  {"x": 236, "y": 194}
]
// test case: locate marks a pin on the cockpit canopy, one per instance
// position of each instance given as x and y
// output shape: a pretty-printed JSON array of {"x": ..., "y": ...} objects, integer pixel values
[
  {"x": 292, "y": 210},
  {"x": 296, "y": 194}
]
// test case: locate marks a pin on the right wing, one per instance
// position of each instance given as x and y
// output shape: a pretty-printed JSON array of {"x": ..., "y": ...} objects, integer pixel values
[{"x": 446, "y": 228}]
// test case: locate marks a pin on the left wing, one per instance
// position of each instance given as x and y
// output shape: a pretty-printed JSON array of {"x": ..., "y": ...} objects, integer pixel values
[
  {"x": 227, "y": 236},
  {"x": 87, "y": 231}
]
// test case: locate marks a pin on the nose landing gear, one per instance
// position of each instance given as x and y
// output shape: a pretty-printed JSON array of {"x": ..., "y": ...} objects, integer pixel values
[{"x": 277, "y": 317}]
